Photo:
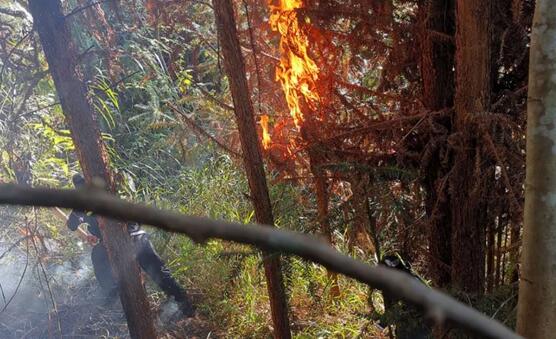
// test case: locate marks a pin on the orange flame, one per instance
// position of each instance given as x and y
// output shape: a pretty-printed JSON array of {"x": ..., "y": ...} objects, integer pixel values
[
  {"x": 266, "y": 135},
  {"x": 297, "y": 72}
]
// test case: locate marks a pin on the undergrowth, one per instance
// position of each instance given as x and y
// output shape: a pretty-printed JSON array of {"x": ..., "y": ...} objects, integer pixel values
[{"x": 230, "y": 277}]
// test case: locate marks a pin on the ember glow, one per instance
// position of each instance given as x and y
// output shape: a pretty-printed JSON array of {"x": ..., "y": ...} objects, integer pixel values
[{"x": 297, "y": 72}]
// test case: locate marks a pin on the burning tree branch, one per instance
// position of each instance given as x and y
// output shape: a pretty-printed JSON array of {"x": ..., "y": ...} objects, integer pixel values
[{"x": 439, "y": 307}]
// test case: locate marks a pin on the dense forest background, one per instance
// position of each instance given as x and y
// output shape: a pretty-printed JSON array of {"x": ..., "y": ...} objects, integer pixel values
[{"x": 386, "y": 127}]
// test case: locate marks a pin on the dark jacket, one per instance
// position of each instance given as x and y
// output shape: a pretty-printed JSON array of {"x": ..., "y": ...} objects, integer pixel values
[{"x": 77, "y": 218}]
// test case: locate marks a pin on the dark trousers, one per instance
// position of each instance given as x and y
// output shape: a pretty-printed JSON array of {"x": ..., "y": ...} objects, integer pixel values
[{"x": 149, "y": 261}]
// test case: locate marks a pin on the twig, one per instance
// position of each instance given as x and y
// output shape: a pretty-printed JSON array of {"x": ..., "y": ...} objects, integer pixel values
[
  {"x": 385, "y": 124},
  {"x": 12, "y": 246},
  {"x": 213, "y": 98},
  {"x": 19, "y": 282},
  {"x": 13, "y": 12},
  {"x": 54, "y": 129},
  {"x": 39, "y": 109},
  {"x": 439, "y": 307},
  {"x": 34, "y": 82},
  {"x": 255, "y": 59},
  {"x": 43, "y": 270},
  {"x": 503, "y": 304},
  {"x": 25, "y": 36},
  {"x": 80, "y": 9},
  {"x": 202, "y": 132},
  {"x": 3, "y": 294}
]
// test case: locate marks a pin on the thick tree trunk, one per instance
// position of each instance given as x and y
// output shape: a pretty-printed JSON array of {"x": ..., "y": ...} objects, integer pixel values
[
  {"x": 536, "y": 316},
  {"x": 60, "y": 54},
  {"x": 252, "y": 157},
  {"x": 467, "y": 196},
  {"x": 437, "y": 62}
]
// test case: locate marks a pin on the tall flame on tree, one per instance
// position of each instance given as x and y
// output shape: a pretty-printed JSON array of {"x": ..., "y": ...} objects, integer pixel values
[{"x": 297, "y": 71}]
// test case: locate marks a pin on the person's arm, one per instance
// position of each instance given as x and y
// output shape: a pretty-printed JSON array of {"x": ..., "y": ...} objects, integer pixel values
[{"x": 73, "y": 221}]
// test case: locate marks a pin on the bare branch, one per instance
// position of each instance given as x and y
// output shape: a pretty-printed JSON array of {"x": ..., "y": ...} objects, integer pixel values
[
  {"x": 13, "y": 12},
  {"x": 213, "y": 98},
  {"x": 438, "y": 306},
  {"x": 79, "y": 9},
  {"x": 202, "y": 133}
]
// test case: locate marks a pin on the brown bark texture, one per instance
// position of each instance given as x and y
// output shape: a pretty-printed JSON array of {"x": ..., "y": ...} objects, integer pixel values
[
  {"x": 252, "y": 157},
  {"x": 363, "y": 230},
  {"x": 437, "y": 62},
  {"x": 472, "y": 98},
  {"x": 60, "y": 54}
]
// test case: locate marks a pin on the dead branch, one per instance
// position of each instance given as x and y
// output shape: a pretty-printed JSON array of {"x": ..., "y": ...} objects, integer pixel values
[
  {"x": 20, "y": 280},
  {"x": 13, "y": 12},
  {"x": 386, "y": 125},
  {"x": 14, "y": 245},
  {"x": 201, "y": 132},
  {"x": 213, "y": 98},
  {"x": 43, "y": 270},
  {"x": 439, "y": 307}
]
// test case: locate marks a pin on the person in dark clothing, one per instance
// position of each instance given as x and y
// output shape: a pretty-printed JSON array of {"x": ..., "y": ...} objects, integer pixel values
[
  {"x": 408, "y": 320},
  {"x": 145, "y": 254}
]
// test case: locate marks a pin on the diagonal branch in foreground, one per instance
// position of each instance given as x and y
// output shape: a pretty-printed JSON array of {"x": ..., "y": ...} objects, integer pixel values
[{"x": 440, "y": 307}]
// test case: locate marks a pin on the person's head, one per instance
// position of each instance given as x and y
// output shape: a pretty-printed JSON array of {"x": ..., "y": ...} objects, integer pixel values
[
  {"x": 395, "y": 261},
  {"x": 78, "y": 180}
]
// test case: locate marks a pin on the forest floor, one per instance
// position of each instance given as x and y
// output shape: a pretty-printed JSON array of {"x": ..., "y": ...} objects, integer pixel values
[{"x": 68, "y": 302}]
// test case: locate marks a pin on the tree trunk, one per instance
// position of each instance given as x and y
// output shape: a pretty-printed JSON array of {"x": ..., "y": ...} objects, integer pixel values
[
  {"x": 437, "y": 62},
  {"x": 467, "y": 189},
  {"x": 363, "y": 228},
  {"x": 536, "y": 316},
  {"x": 60, "y": 54},
  {"x": 252, "y": 157},
  {"x": 321, "y": 191}
]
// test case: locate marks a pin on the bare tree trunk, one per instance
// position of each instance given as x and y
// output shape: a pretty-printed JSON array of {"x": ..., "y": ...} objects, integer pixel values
[
  {"x": 363, "y": 229},
  {"x": 437, "y": 62},
  {"x": 60, "y": 54},
  {"x": 321, "y": 190},
  {"x": 252, "y": 157},
  {"x": 536, "y": 316},
  {"x": 467, "y": 196}
]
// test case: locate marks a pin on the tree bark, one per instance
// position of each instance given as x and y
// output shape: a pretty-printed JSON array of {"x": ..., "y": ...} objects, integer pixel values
[
  {"x": 467, "y": 195},
  {"x": 252, "y": 157},
  {"x": 536, "y": 316},
  {"x": 61, "y": 57},
  {"x": 437, "y": 62},
  {"x": 363, "y": 229}
]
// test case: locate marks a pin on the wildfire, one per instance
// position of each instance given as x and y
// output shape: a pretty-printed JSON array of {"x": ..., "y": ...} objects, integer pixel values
[
  {"x": 297, "y": 72},
  {"x": 266, "y": 135}
]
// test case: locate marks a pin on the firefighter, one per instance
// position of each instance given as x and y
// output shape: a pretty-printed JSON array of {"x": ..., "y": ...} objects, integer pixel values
[
  {"x": 145, "y": 255},
  {"x": 408, "y": 321}
]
